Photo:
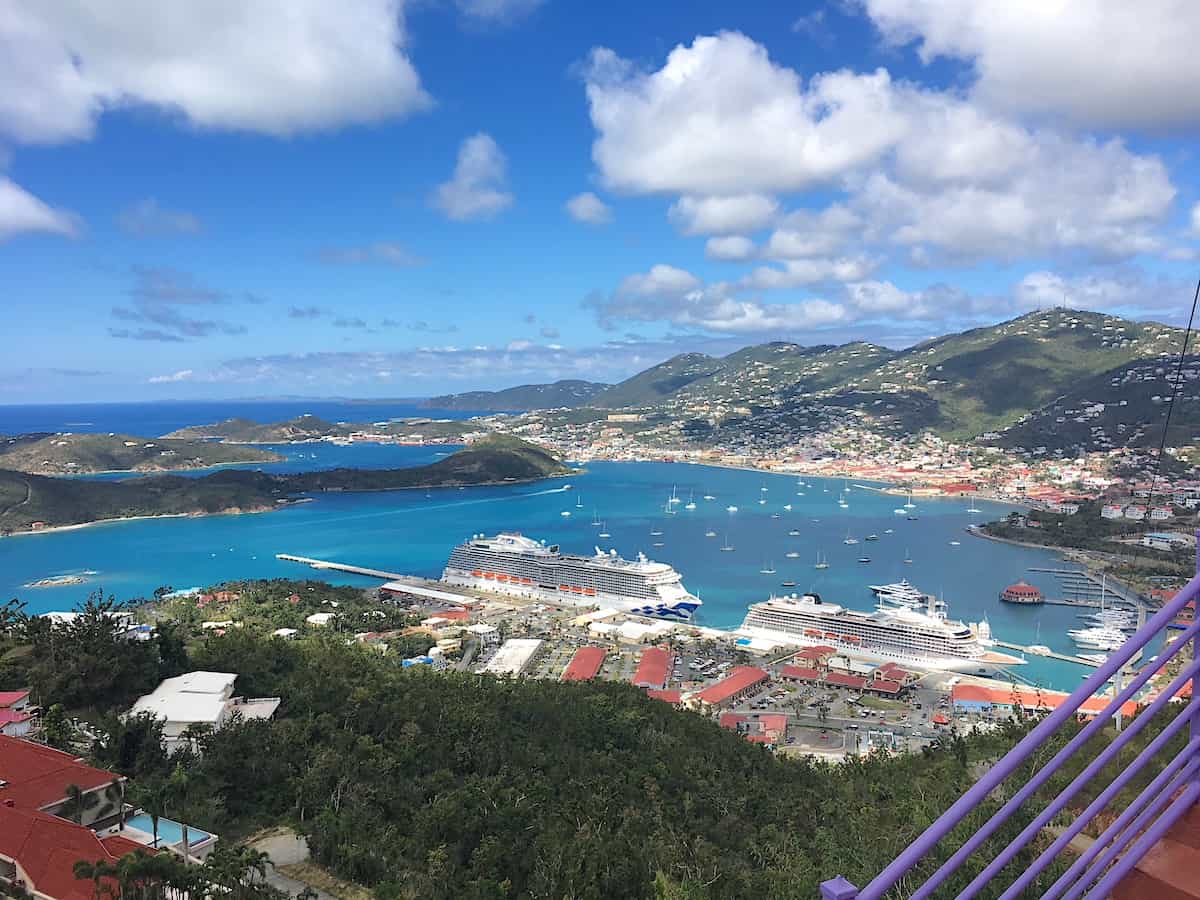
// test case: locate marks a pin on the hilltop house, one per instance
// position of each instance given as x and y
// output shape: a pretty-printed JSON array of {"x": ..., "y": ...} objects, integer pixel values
[{"x": 199, "y": 699}]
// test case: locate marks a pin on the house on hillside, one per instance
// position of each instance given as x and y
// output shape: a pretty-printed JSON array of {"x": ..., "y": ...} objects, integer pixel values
[
  {"x": 16, "y": 715},
  {"x": 199, "y": 699}
]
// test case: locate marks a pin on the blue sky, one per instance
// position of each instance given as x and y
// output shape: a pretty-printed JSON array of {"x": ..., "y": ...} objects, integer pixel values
[{"x": 386, "y": 199}]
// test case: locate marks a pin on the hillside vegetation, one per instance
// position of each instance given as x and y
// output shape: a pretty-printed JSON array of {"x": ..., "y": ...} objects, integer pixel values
[
  {"x": 76, "y": 454},
  {"x": 566, "y": 393},
  {"x": 25, "y": 499},
  {"x": 311, "y": 428}
]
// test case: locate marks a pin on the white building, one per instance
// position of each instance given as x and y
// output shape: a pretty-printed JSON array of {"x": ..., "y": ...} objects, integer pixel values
[
  {"x": 199, "y": 698},
  {"x": 487, "y": 634},
  {"x": 320, "y": 620},
  {"x": 513, "y": 657}
]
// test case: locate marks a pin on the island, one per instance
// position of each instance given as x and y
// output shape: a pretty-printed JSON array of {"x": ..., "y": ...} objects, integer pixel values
[
  {"x": 31, "y": 503},
  {"x": 308, "y": 428},
  {"x": 88, "y": 454}
]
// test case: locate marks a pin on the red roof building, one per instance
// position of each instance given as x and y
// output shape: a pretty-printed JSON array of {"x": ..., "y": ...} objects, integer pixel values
[
  {"x": 740, "y": 682},
  {"x": 1021, "y": 593},
  {"x": 14, "y": 699},
  {"x": 43, "y": 850},
  {"x": 654, "y": 669},
  {"x": 885, "y": 687},
  {"x": 36, "y": 777},
  {"x": 585, "y": 664},
  {"x": 844, "y": 679},
  {"x": 800, "y": 673},
  {"x": 893, "y": 672},
  {"x": 814, "y": 656}
]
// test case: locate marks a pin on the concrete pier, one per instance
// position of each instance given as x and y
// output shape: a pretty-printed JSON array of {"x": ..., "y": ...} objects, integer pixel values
[{"x": 344, "y": 567}]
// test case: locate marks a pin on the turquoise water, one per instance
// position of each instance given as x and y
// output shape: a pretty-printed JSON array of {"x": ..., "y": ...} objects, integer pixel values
[
  {"x": 169, "y": 831},
  {"x": 414, "y": 531}
]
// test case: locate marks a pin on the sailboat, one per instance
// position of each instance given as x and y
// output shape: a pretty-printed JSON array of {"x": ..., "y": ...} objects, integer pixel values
[
  {"x": 691, "y": 504},
  {"x": 579, "y": 502},
  {"x": 850, "y": 540},
  {"x": 604, "y": 530},
  {"x": 727, "y": 547},
  {"x": 822, "y": 563},
  {"x": 710, "y": 533},
  {"x": 673, "y": 499},
  {"x": 787, "y": 507},
  {"x": 907, "y": 558},
  {"x": 655, "y": 532},
  {"x": 908, "y": 504},
  {"x": 795, "y": 532},
  {"x": 596, "y": 523},
  {"x": 972, "y": 508},
  {"x": 768, "y": 569},
  {"x": 792, "y": 554},
  {"x": 709, "y": 497},
  {"x": 668, "y": 509}
]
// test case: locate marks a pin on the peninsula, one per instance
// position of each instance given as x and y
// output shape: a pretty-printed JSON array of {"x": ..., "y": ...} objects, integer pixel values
[
  {"x": 87, "y": 454},
  {"x": 307, "y": 428},
  {"x": 36, "y": 502}
]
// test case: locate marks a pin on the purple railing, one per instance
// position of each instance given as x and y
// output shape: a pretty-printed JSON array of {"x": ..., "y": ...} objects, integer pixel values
[{"x": 1144, "y": 821}]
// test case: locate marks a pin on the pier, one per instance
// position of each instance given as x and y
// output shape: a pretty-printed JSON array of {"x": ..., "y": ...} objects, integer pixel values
[
  {"x": 1078, "y": 660},
  {"x": 344, "y": 567}
]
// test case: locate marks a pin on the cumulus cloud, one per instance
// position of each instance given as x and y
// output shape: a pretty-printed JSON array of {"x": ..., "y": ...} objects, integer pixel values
[
  {"x": 803, "y": 272},
  {"x": 736, "y": 213},
  {"x": 661, "y": 281},
  {"x": 1105, "y": 65},
  {"x": 388, "y": 253},
  {"x": 20, "y": 212},
  {"x": 928, "y": 172},
  {"x": 277, "y": 67},
  {"x": 478, "y": 189},
  {"x": 721, "y": 118},
  {"x": 147, "y": 219},
  {"x": 1127, "y": 289},
  {"x": 589, "y": 208},
  {"x": 730, "y": 248}
]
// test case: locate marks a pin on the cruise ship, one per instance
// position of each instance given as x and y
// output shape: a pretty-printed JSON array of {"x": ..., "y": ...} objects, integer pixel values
[
  {"x": 920, "y": 636},
  {"x": 510, "y": 563}
]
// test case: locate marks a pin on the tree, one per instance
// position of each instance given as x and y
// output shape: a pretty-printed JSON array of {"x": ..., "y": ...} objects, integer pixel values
[
  {"x": 97, "y": 872},
  {"x": 57, "y": 730},
  {"x": 178, "y": 793},
  {"x": 78, "y": 802},
  {"x": 152, "y": 795},
  {"x": 114, "y": 795},
  {"x": 161, "y": 591}
]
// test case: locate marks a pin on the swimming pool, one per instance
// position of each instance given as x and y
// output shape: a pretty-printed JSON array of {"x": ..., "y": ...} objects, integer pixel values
[{"x": 169, "y": 831}]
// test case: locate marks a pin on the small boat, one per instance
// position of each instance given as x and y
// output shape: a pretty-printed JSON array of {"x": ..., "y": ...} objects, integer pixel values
[
  {"x": 795, "y": 532},
  {"x": 800, "y": 493},
  {"x": 907, "y": 558},
  {"x": 731, "y": 509},
  {"x": 604, "y": 530},
  {"x": 787, "y": 584},
  {"x": 709, "y": 497},
  {"x": 792, "y": 554},
  {"x": 900, "y": 511},
  {"x": 673, "y": 499},
  {"x": 768, "y": 569},
  {"x": 691, "y": 504},
  {"x": 776, "y": 516},
  {"x": 727, "y": 547},
  {"x": 871, "y": 537},
  {"x": 912, "y": 518},
  {"x": 655, "y": 532},
  {"x": 821, "y": 563},
  {"x": 657, "y": 544},
  {"x": 763, "y": 489},
  {"x": 596, "y": 523},
  {"x": 762, "y": 502},
  {"x": 710, "y": 534},
  {"x": 889, "y": 531},
  {"x": 566, "y": 513},
  {"x": 787, "y": 507},
  {"x": 850, "y": 540},
  {"x": 579, "y": 502},
  {"x": 1038, "y": 650},
  {"x": 864, "y": 559},
  {"x": 954, "y": 543}
]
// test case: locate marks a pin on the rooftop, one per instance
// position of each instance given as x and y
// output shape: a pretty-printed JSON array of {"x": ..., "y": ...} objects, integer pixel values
[
  {"x": 47, "y": 849},
  {"x": 36, "y": 776},
  {"x": 653, "y": 668},
  {"x": 585, "y": 664},
  {"x": 737, "y": 681}
]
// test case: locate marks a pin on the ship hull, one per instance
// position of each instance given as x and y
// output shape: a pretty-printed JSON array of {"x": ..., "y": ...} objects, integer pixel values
[{"x": 681, "y": 611}]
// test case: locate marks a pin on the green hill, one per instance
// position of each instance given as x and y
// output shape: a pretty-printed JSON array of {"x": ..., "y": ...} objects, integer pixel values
[
  {"x": 1124, "y": 407},
  {"x": 310, "y": 428},
  {"x": 566, "y": 393},
  {"x": 25, "y": 499},
  {"x": 658, "y": 383},
  {"x": 75, "y": 454}
]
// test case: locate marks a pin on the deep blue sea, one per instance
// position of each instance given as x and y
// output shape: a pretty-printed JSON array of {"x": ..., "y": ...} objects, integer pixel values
[{"x": 414, "y": 531}]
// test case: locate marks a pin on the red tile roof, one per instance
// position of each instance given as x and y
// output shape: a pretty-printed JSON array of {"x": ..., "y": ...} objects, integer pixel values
[
  {"x": 773, "y": 723},
  {"x": 974, "y": 693},
  {"x": 800, "y": 673},
  {"x": 47, "y": 849},
  {"x": 841, "y": 679},
  {"x": 8, "y": 698},
  {"x": 885, "y": 686},
  {"x": 653, "y": 669},
  {"x": 38, "y": 776},
  {"x": 732, "y": 720},
  {"x": 454, "y": 615},
  {"x": 585, "y": 664},
  {"x": 737, "y": 681},
  {"x": 814, "y": 653},
  {"x": 668, "y": 696}
]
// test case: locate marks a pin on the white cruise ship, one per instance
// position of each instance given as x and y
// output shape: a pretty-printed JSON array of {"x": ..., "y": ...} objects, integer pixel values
[
  {"x": 513, "y": 564},
  {"x": 904, "y": 633}
]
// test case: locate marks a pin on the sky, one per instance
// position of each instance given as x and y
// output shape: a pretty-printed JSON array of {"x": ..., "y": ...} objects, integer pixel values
[{"x": 378, "y": 198}]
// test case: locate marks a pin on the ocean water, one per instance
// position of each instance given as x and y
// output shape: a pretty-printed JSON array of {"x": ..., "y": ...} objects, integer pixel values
[
  {"x": 414, "y": 531},
  {"x": 156, "y": 419}
]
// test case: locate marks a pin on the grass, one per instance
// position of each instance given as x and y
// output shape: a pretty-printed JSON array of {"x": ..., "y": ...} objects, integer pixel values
[{"x": 871, "y": 702}]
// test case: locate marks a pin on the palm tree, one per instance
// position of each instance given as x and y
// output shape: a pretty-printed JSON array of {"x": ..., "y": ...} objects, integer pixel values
[
  {"x": 96, "y": 872},
  {"x": 152, "y": 796},
  {"x": 179, "y": 791},
  {"x": 78, "y": 802},
  {"x": 114, "y": 794}
]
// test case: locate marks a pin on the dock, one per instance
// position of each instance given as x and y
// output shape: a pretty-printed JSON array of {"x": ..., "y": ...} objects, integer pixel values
[
  {"x": 345, "y": 567},
  {"x": 1078, "y": 660}
]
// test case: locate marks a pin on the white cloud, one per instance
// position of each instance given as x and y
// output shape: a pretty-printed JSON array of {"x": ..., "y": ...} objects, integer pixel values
[
  {"x": 390, "y": 253},
  {"x": 723, "y": 215},
  {"x": 805, "y": 234},
  {"x": 803, "y": 272},
  {"x": 21, "y": 212},
  {"x": 478, "y": 189},
  {"x": 497, "y": 11},
  {"x": 731, "y": 248},
  {"x": 661, "y": 281},
  {"x": 1130, "y": 289},
  {"x": 273, "y": 66},
  {"x": 1106, "y": 65},
  {"x": 1194, "y": 221},
  {"x": 721, "y": 118},
  {"x": 147, "y": 219},
  {"x": 174, "y": 377},
  {"x": 589, "y": 208}
]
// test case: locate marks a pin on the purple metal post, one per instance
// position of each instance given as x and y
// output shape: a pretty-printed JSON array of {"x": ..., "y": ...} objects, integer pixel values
[
  {"x": 1196, "y": 653},
  {"x": 1152, "y": 836},
  {"x": 1013, "y": 759},
  {"x": 838, "y": 889}
]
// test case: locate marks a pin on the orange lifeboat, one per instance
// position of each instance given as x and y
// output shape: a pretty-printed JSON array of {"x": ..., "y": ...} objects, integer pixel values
[
  {"x": 490, "y": 576},
  {"x": 477, "y": 573}
]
